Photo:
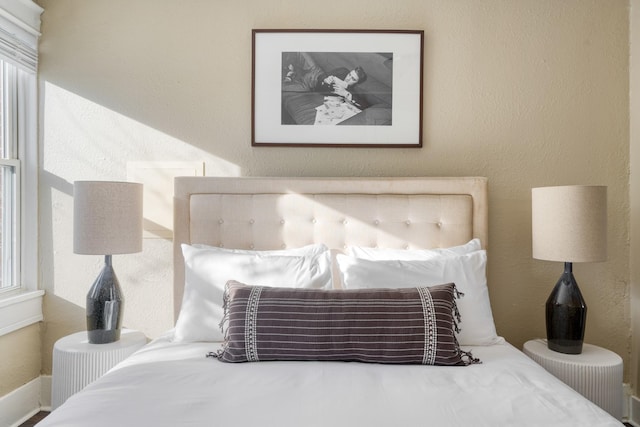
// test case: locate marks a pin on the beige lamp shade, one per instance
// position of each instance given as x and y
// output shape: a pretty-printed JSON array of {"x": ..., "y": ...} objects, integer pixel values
[
  {"x": 569, "y": 223},
  {"x": 107, "y": 217}
]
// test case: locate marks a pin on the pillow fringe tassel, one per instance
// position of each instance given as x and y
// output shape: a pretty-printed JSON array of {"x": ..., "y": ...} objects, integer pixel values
[
  {"x": 225, "y": 317},
  {"x": 466, "y": 356},
  {"x": 225, "y": 308}
]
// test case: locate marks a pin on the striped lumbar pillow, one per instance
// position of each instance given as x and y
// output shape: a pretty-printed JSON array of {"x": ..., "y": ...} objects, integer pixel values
[{"x": 406, "y": 325}]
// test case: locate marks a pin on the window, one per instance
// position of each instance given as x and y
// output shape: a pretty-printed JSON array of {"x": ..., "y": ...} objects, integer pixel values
[
  {"x": 9, "y": 179},
  {"x": 20, "y": 299}
]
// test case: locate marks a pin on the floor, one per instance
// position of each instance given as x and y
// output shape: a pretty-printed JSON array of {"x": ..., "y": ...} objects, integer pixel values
[{"x": 35, "y": 419}]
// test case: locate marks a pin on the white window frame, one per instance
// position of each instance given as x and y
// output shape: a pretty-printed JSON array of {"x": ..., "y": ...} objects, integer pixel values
[
  {"x": 22, "y": 305},
  {"x": 11, "y": 223}
]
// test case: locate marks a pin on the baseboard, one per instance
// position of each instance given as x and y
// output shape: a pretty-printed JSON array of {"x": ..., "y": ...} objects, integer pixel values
[
  {"x": 627, "y": 393},
  {"x": 634, "y": 411},
  {"x": 26, "y": 401},
  {"x": 45, "y": 393}
]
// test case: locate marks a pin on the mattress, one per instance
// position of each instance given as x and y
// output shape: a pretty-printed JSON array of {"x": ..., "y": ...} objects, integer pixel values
[{"x": 168, "y": 383}]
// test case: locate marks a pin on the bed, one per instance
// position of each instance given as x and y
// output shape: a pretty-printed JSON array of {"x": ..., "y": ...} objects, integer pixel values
[{"x": 385, "y": 233}]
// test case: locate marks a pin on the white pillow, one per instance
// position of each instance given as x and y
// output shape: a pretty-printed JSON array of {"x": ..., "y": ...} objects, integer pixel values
[
  {"x": 207, "y": 270},
  {"x": 468, "y": 272},
  {"x": 413, "y": 254}
]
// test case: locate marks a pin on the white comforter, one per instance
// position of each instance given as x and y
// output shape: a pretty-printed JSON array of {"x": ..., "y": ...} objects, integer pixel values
[{"x": 172, "y": 384}]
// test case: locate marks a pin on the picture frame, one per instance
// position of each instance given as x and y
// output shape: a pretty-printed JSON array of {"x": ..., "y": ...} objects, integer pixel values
[{"x": 337, "y": 88}]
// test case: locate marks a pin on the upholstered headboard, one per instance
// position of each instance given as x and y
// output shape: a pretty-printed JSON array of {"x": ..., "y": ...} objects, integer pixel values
[{"x": 276, "y": 213}]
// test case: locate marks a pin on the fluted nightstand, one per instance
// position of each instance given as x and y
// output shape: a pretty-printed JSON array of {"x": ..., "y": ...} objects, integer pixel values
[
  {"x": 76, "y": 362},
  {"x": 596, "y": 373}
]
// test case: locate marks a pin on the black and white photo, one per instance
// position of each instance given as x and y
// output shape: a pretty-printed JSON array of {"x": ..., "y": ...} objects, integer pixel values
[{"x": 337, "y": 88}]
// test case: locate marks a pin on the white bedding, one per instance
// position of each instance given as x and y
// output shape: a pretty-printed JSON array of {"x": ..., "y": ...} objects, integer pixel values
[{"x": 173, "y": 384}]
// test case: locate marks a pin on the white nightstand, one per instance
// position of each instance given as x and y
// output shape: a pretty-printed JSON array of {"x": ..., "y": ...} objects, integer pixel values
[
  {"x": 596, "y": 373},
  {"x": 77, "y": 363}
]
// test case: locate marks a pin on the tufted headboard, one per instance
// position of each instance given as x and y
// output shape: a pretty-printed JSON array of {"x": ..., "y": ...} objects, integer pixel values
[{"x": 276, "y": 213}]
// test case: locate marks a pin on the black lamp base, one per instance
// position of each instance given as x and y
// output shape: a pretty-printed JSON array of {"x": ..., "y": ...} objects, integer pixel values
[
  {"x": 104, "y": 306},
  {"x": 566, "y": 315}
]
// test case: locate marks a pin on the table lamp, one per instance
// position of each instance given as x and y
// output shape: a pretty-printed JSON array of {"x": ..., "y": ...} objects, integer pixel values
[
  {"x": 569, "y": 224},
  {"x": 107, "y": 220}
]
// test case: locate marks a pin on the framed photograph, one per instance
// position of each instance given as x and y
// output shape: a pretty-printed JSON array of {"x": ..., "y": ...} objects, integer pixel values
[{"x": 337, "y": 88}]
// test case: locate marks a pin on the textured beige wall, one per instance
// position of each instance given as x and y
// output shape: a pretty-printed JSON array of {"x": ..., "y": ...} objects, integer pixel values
[
  {"x": 21, "y": 358},
  {"x": 527, "y": 93},
  {"x": 634, "y": 190}
]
